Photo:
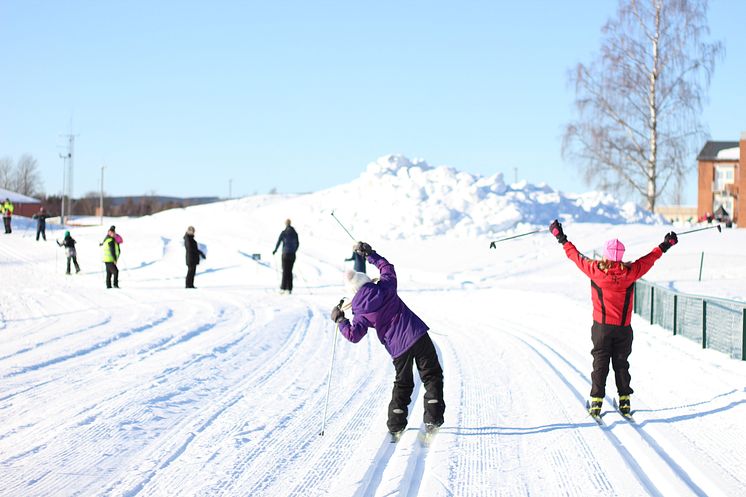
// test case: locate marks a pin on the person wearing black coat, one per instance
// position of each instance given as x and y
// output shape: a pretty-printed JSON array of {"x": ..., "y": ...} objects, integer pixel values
[
  {"x": 289, "y": 240},
  {"x": 41, "y": 224},
  {"x": 358, "y": 262},
  {"x": 193, "y": 254},
  {"x": 72, "y": 255}
]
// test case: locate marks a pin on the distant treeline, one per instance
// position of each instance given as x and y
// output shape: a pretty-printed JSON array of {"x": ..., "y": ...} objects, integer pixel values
[{"x": 122, "y": 206}]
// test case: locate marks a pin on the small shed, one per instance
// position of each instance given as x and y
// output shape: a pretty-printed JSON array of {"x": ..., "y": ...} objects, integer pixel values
[{"x": 22, "y": 205}]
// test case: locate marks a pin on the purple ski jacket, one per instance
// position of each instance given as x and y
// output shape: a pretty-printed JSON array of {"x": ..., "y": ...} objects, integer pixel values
[{"x": 377, "y": 305}]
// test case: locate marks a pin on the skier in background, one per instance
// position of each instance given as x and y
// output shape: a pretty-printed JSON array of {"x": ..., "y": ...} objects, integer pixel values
[
  {"x": 358, "y": 261},
  {"x": 7, "y": 209},
  {"x": 404, "y": 335},
  {"x": 69, "y": 243},
  {"x": 111, "y": 256},
  {"x": 193, "y": 254},
  {"x": 612, "y": 292},
  {"x": 41, "y": 224},
  {"x": 289, "y": 240}
]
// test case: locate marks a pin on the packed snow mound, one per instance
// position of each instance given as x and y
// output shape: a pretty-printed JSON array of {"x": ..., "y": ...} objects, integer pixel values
[{"x": 396, "y": 197}]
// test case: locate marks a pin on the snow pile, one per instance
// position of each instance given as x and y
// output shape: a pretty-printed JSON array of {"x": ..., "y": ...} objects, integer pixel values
[{"x": 399, "y": 198}]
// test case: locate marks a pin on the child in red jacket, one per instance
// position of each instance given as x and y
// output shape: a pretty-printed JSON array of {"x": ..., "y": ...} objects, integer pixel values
[{"x": 612, "y": 292}]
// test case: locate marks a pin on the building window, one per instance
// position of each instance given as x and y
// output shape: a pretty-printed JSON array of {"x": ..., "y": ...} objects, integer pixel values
[{"x": 724, "y": 175}]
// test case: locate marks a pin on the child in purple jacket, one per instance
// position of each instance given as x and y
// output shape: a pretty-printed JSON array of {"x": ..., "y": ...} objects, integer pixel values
[{"x": 403, "y": 333}]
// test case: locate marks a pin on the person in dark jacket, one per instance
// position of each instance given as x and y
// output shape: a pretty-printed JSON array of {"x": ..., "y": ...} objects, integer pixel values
[
  {"x": 111, "y": 256},
  {"x": 72, "y": 255},
  {"x": 402, "y": 333},
  {"x": 289, "y": 240},
  {"x": 612, "y": 293},
  {"x": 358, "y": 261},
  {"x": 193, "y": 255},
  {"x": 41, "y": 225}
]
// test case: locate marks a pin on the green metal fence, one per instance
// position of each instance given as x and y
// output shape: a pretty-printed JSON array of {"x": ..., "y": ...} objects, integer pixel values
[{"x": 717, "y": 324}]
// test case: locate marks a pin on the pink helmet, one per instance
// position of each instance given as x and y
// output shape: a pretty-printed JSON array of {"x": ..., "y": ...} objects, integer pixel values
[{"x": 614, "y": 250}]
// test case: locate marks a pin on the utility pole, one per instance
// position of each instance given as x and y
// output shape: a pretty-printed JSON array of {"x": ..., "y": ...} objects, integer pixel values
[
  {"x": 515, "y": 173},
  {"x": 230, "y": 188},
  {"x": 67, "y": 175},
  {"x": 64, "y": 158},
  {"x": 101, "y": 200}
]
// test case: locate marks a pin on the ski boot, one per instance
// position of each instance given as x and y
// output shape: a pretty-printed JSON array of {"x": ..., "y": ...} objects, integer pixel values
[
  {"x": 624, "y": 405},
  {"x": 594, "y": 406},
  {"x": 395, "y": 436},
  {"x": 431, "y": 429}
]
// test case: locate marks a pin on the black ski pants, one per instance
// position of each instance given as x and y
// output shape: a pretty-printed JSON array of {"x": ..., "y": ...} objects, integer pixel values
[
  {"x": 112, "y": 270},
  {"x": 6, "y": 221},
  {"x": 611, "y": 343},
  {"x": 41, "y": 230},
  {"x": 423, "y": 354},
  {"x": 288, "y": 260},
  {"x": 75, "y": 261},
  {"x": 191, "y": 271}
]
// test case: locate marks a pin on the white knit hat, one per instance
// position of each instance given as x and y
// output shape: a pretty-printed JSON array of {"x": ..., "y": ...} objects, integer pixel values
[{"x": 354, "y": 281}]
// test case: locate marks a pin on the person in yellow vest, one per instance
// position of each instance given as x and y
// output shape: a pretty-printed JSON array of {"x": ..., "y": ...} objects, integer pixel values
[
  {"x": 111, "y": 255},
  {"x": 7, "y": 214}
]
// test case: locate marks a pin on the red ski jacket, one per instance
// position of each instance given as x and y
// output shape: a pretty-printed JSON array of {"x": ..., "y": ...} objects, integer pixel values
[{"x": 612, "y": 288}]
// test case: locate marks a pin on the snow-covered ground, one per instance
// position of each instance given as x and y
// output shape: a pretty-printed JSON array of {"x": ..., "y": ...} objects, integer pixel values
[{"x": 155, "y": 390}]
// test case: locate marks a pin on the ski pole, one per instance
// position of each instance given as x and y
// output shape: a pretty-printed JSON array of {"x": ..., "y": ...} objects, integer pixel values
[
  {"x": 492, "y": 244},
  {"x": 720, "y": 230},
  {"x": 331, "y": 366},
  {"x": 343, "y": 227},
  {"x": 305, "y": 281}
]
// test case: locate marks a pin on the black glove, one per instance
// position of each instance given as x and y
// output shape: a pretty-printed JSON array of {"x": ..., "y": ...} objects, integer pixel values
[
  {"x": 337, "y": 314},
  {"x": 556, "y": 229},
  {"x": 363, "y": 249},
  {"x": 669, "y": 241},
  {"x": 274, "y": 251}
]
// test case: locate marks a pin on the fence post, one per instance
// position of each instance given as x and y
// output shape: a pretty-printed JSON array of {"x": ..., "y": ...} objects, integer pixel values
[
  {"x": 701, "y": 261},
  {"x": 704, "y": 324},
  {"x": 652, "y": 302},
  {"x": 675, "y": 305},
  {"x": 743, "y": 337}
]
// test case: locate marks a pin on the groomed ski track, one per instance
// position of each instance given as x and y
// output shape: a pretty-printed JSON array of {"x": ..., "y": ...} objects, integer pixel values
[{"x": 156, "y": 391}]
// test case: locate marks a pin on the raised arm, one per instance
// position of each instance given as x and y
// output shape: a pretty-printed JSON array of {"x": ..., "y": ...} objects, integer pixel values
[
  {"x": 584, "y": 263},
  {"x": 644, "y": 263}
]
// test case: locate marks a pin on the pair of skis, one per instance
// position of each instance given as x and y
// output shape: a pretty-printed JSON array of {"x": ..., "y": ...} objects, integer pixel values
[
  {"x": 425, "y": 436},
  {"x": 598, "y": 418}
]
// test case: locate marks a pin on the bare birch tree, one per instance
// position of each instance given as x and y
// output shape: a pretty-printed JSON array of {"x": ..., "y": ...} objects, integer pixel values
[
  {"x": 7, "y": 181},
  {"x": 639, "y": 101},
  {"x": 27, "y": 176}
]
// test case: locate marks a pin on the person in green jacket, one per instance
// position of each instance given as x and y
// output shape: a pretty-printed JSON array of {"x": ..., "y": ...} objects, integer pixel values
[
  {"x": 111, "y": 255},
  {"x": 7, "y": 209}
]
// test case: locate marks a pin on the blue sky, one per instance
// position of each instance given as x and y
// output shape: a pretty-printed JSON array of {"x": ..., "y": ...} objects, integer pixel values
[{"x": 178, "y": 98}]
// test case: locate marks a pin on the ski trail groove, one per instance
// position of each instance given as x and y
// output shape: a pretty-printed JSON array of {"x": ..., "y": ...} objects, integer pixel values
[{"x": 631, "y": 460}]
